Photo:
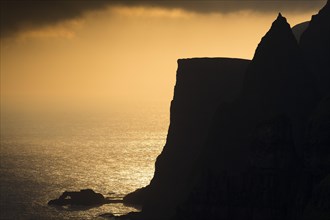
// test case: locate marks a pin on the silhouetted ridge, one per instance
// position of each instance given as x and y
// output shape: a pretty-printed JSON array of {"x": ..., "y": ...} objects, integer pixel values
[
  {"x": 276, "y": 85},
  {"x": 280, "y": 31},
  {"x": 316, "y": 48},
  {"x": 276, "y": 65},
  {"x": 253, "y": 155},
  {"x": 277, "y": 80}
]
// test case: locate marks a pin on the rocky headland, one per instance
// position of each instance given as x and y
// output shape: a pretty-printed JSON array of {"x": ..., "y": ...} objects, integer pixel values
[{"x": 249, "y": 139}]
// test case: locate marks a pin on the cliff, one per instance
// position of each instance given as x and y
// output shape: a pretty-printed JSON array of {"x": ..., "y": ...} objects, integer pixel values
[
  {"x": 252, "y": 163},
  {"x": 248, "y": 140},
  {"x": 268, "y": 153},
  {"x": 315, "y": 45},
  {"x": 202, "y": 84}
]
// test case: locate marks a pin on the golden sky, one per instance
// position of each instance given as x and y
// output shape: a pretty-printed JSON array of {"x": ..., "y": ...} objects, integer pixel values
[{"x": 125, "y": 53}]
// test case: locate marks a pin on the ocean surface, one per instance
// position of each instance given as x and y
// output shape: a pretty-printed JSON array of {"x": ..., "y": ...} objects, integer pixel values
[{"x": 44, "y": 154}]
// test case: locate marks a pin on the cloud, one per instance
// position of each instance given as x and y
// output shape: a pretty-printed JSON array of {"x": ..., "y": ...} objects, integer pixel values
[
  {"x": 228, "y": 6},
  {"x": 25, "y": 14},
  {"x": 64, "y": 30},
  {"x": 19, "y": 15}
]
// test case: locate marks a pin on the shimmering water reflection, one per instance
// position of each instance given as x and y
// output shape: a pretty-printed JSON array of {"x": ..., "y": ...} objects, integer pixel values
[{"x": 43, "y": 156}]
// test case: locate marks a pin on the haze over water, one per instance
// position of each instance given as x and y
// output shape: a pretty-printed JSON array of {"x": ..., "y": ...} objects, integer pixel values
[{"x": 42, "y": 155}]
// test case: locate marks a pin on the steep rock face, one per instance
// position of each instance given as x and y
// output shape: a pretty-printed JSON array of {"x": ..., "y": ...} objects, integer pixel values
[
  {"x": 202, "y": 84},
  {"x": 317, "y": 150},
  {"x": 315, "y": 45},
  {"x": 252, "y": 162},
  {"x": 319, "y": 204},
  {"x": 263, "y": 188},
  {"x": 278, "y": 82},
  {"x": 317, "y": 162}
]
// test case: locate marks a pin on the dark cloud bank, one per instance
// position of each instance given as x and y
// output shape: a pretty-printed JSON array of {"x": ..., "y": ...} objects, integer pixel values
[{"x": 19, "y": 14}]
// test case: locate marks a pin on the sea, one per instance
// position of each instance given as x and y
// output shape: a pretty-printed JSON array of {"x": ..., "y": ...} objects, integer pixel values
[{"x": 44, "y": 153}]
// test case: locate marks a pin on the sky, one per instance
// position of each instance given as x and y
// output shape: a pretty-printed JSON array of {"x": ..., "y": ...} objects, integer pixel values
[{"x": 86, "y": 53}]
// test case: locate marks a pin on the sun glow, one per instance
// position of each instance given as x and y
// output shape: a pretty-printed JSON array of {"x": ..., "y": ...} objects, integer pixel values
[{"x": 122, "y": 53}]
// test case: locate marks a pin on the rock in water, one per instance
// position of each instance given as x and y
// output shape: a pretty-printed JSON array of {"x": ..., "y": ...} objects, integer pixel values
[{"x": 84, "y": 197}]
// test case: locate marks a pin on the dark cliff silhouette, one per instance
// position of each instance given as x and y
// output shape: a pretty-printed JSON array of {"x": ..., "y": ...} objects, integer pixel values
[
  {"x": 316, "y": 48},
  {"x": 249, "y": 142},
  {"x": 202, "y": 83},
  {"x": 253, "y": 164}
]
